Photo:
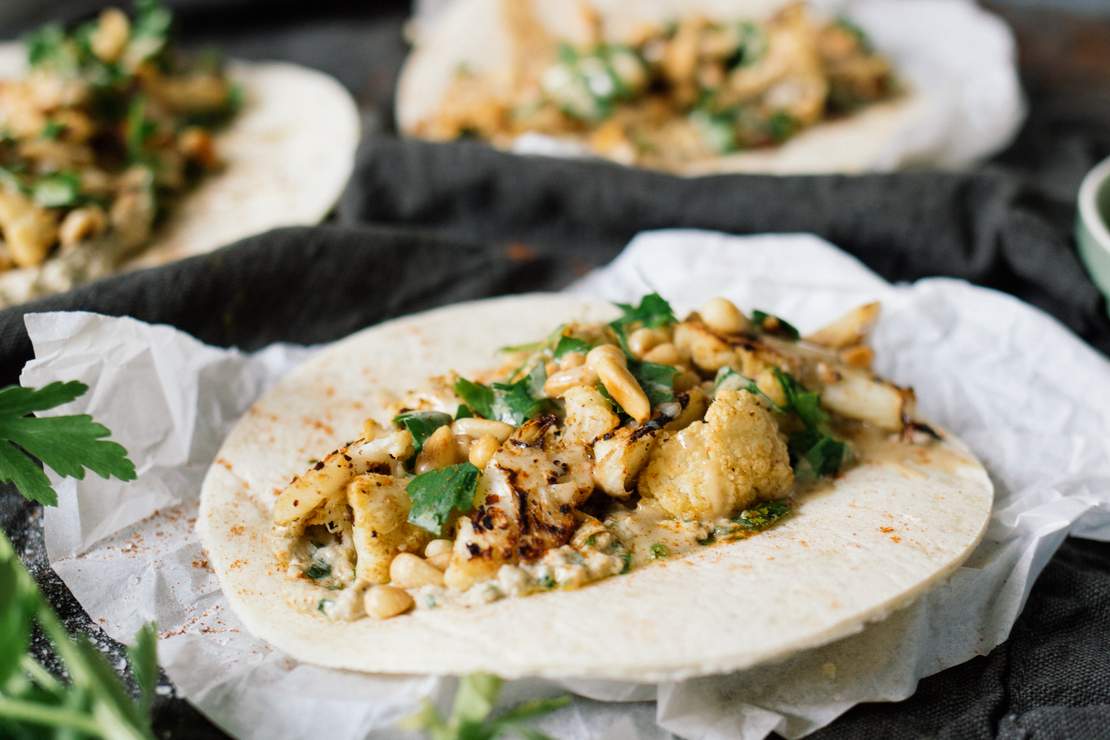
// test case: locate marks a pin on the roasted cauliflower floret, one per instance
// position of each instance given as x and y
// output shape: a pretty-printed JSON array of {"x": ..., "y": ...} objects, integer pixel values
[
  {"x": 589, "y": 415},
  {"x": 619, "y": 458},
  {"x": 721, "y": 465},
  {"x": 381, "y": 528}
]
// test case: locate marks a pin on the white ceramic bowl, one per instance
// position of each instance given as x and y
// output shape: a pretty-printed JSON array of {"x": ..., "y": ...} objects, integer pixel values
[{"x": 1091, "y": 225}]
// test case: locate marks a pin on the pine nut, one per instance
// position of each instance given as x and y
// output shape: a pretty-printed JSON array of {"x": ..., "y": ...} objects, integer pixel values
[
  {"x": 477, "y": 428},
  {"x": 383, "y": 602},
  {"x": 412, "y": 571},
  {"x": 482, "y": 449},
  {"x": 438, "y": 452},
  {"x": 440, "y": 561},
  {"x": 722, "y": 316},
  {"x": 611, "y": 367},
  {"x": 642, "y": 340},
  {"x": 437, "y": 547},
  {"x": 664, "y": 354},
  {"x": 572, "y": 359},
  {"x": 80, "y": 224},
  {"x": 562, "y": 381},
  {"x": 110, "y": 37}
]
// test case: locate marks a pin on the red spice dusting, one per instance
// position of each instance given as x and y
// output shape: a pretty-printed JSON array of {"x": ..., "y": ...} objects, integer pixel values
[
  {"x": 886, "y": 530},
  {"x": 238, "y": 529}
]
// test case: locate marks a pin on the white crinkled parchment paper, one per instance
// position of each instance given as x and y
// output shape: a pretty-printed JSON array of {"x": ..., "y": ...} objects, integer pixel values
[
  {"x": 1031, "y": 400},
  {"x": 959, "y": 60}
]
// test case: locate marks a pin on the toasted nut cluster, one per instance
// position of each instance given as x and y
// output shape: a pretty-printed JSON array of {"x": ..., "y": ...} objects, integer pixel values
[
  {"x": 412, "y": 571},
  {"x": 722, "y": 316},
  {"x": 612, "y": 369},
  {"x": 641, "y": 341},
  {"x": 383, "y": 602}
]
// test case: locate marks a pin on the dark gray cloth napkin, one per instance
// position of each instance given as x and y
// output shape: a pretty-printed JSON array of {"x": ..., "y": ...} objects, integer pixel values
[{"x": 423, "y": 225}]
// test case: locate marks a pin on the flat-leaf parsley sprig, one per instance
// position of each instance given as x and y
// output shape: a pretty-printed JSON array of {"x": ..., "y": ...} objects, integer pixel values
[{"x": 65, "y": 444}]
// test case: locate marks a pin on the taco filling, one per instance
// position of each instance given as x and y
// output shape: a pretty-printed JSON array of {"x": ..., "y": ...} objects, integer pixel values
[
  {"x": 669, "y": 94},
  {"x": 109, "y": 126},
  {"x": 597, "y": 450}
]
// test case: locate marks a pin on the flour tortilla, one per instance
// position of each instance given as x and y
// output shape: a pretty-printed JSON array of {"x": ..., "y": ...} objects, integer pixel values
[
  {"x": 852, "y": 553},
  {"x": 474, "y": 33},
  {"x": 288, "y": 155}
]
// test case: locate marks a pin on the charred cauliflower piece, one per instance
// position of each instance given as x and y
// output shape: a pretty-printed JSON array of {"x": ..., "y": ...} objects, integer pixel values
[
  {"x": 381, "y": 507},
  {"x": 619, "y": 458},
  {"x": 529, "y": 492},
  {"x": 589, "y": 415},
  {"x": 725, "y": 463}
]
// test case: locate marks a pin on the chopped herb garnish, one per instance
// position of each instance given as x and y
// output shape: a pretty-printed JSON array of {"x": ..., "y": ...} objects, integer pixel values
[
  {"x": 318, "y": 570},
  {"x": 626, "y": 558},
  {"x": 476, "y": 396},
  {"x": 771, "y": 324},
  {"x": 781, "y": 126},
  {"x": 52, "y": 130},
  {"x": 763, "y": 515},
  {"x": 138, "y": 129},
  {"x": 438, "y": 493},
  {"x": 659, "y": 551},
  {"x": 463, "y": 412},
  {"x": 421, "y": 425},
  {"x": 814, "y": 452},
  {"x": 546, "y": 581},
  {"x": 571, "y": 344},
  {"x": 653, "y": 312},
  {"x": 322, "y": 605},
  {"x": 512, "y": 403},
  {"x": 57, "y": 190},
  {"x": 717, "y": 130},
  {"x": 656, "y": 380}
]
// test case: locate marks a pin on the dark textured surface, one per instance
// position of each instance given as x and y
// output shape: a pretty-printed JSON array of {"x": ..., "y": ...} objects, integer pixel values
[{"x": 465, "y": 222}]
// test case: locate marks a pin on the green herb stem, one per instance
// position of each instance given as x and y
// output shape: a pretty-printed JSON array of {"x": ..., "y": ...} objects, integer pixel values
[{"x": 23, "y": 711}]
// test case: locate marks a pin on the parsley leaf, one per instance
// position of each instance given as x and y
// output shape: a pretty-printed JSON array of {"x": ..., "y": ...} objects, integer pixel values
[
  {"x": 477, "y": 397},
  {"x": 656, "y": 380},
  {"x": 66, "y": 444},
  {"x": 52, "y": 130},
  {"x": 512, "y": 403},
  {"x": 437, "y": 493},
  {"x": 470, "y": 717},
  {"x": 763, "y": 515},
  {"x": 813, "y": 451},
  {"x": 771, "y": 324},
  {"x": 57, "y": 190},
  {"x": 571, "y": 344},
  {"x": 653, "y": 311},
  {"x": 421, "y": 425},
  {"x": 138, "y": 129}
]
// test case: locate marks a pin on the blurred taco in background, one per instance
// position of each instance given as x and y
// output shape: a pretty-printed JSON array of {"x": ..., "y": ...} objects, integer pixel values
[
  {"x": 118, "y": 149},
  {"x": 693, "y": 87}
]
